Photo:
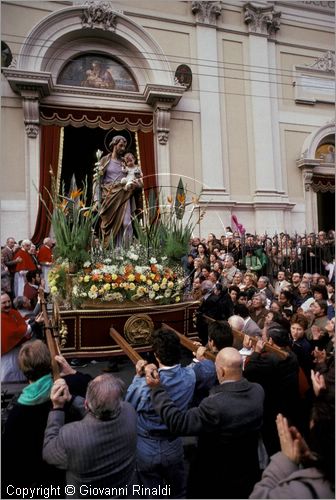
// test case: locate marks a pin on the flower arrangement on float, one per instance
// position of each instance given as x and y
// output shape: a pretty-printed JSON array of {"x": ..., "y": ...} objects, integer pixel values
[
  {"x": 126, "y": 279},
  {"x": 147, "y": 271}
]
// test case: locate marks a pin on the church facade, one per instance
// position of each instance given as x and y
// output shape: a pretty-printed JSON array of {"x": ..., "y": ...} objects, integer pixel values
[{"x": 236, "y": 99}]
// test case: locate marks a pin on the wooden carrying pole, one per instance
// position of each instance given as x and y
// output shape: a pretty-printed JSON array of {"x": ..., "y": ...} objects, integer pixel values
[
  {"x": 125, "y": 346},
  {"x": 240, "y": 336},
  {"x": 52, "y": 341},
  {"x": 189, "y": 344}
]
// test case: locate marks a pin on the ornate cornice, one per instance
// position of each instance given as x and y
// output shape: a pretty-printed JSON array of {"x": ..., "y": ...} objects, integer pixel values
[
  {"x": 206, "y": 12},
  {"x": 261, "y": 20},
  {"x": 325, "y": 63},
  {"x": 170, "y": 95},
  {"x": 99, "y": 15},
  {"x": 21, "y": 80}
]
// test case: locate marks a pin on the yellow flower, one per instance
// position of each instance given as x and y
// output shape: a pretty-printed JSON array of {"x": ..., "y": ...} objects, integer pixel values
[
  {"x": 94, "y": 289},
  {"x": 149, "y": 282},
  {"x": 156, "y": 287},
  {"x": 163, "y": 286},
  {"x": 86, "y": 279},
  {"x": 177, "y": 299},
  {"x": 107, "y": 286},
  {"x": 170, "y": 284},
  {"x": 53, "y": 289},
  {"x": 131, "y": 277},
  {"x": 114, "y": 277},
  {"x": 152, "y": 275},
  {"x": 132, "y": 286},
  {"x": 142, "y": 277}
]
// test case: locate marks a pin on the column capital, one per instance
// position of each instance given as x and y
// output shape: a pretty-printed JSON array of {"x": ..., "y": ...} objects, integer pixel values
[
  {"x": 261, "y": 20},
  {"x": 206, "y": 12}
]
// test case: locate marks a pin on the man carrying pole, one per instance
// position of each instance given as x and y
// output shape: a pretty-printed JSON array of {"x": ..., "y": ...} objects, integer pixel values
[{"x": 160, "y": 454}]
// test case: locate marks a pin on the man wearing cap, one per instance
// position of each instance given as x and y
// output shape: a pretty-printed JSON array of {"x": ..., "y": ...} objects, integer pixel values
[{"x": 115, "y": 209}]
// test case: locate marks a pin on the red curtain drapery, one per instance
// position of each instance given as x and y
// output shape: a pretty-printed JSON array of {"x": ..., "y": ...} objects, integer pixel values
[
  {"x": 49, "y": 156},
  {"x": 146, "y": 150}
]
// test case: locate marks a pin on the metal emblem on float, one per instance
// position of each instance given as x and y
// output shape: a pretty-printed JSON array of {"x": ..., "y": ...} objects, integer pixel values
[{"x": 138, "y": 329}]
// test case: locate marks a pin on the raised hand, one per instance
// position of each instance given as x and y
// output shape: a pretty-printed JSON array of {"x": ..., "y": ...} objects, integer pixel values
[
  {"x": 318, "y": 382},
  {"x": 152, "y": 375}
]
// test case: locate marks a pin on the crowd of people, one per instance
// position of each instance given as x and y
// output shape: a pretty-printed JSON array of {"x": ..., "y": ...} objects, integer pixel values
[{"x": 258, "y": 422}]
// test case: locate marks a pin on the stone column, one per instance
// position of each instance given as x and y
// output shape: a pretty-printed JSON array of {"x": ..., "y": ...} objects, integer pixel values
[
  {"x": 214, "y": 188},
  {"x": 307, "y": 167},
  {"x": 161, "y": 134},
  {"x": 262, "y": 23}
]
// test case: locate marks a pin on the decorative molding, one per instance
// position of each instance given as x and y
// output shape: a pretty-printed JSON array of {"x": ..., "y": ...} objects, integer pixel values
[
  {"x": 32, "y": 130},
  {"x": 206, "y": 12},
  {"x": 261, "y": 20},
  {"x": 308, "y": 179},
  {"x": 168, "y": 94},
  {"x": 22, "y": 81},
  {"x": 324, "y": 63},
  {"x": 99, "y": 15},
  {"x": 162, "y": 124},
  {"x": 30, "y": 103}
]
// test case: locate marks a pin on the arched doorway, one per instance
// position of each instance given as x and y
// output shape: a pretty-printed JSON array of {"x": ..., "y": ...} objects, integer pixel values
[{"x": 121, "y": 45}]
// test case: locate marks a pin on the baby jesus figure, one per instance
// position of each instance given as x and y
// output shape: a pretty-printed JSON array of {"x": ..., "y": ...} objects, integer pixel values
[{"x": 134, "y": 174}]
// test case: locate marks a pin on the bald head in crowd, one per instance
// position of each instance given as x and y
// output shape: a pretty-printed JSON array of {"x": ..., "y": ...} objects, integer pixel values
[{"x": 229, "y": 365}]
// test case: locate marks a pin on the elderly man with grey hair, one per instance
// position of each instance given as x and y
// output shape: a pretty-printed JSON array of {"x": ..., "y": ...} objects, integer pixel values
[
  {"x": 265, "y": 287},
  {"x": 99, "y": 450},
  {"x": 229, "y": 270}
]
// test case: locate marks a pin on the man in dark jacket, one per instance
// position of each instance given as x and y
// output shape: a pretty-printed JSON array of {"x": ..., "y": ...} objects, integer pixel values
[
  {"x": 279, "y": 377},
  {"x": 227, "y": 424}
]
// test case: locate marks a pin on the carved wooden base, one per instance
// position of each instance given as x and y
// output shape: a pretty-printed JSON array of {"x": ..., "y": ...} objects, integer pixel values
[{"x": 88, "y": 329}]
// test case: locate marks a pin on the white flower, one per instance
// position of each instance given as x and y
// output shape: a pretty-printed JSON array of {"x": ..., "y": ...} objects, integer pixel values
[
  {"x": 164, "y": 258},
  {"x": 132, "y": 256},
  {"x": 151, "y": 295},
  {"x": 107, "y": 261},
  {"x": 153, "y": 260},
  {"x": 113, "y": 269},
  {"x": 167, "y": 293},
  {"x": 87, "y": 264},
  {"x": 75, "y": 291},
  {"x": 92, "y": 295}
]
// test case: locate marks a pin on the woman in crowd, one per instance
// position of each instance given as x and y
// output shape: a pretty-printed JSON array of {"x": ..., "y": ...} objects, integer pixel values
[
  {"x": 202, "y": 253},
  {"x": 250, "y": 285},
  {"x": 258, "y": 311},
  {"x": 299, "y": 471},
  {"x": 234, "y": 293},
  {"x": 22, "y": 463}
]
